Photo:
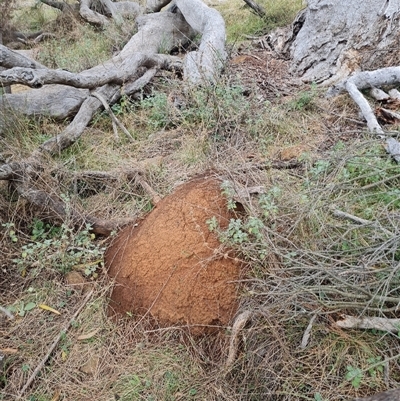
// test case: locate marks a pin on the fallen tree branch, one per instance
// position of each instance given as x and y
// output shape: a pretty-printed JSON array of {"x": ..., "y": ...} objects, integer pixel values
[
  {"x": 155, "y": 6},
  {"x": 62, "y": 332},
  {"x": 91, "y": 16},
  {"x": 358, "y": 220},
  {"x": 56, "y": 209},
  {"x": 155, "y": 198},
  {"x": 391, "y": 395},
  {"x": 377, "y": 323},
  {"x": 10, "y": 59},
  {"x": 63, "y": 93},
  {"x": 59, "y": 5},
  {"x": 368, "y": 80},
  {"x": 204, "y": 65},
  {"x": 120, "y": 72},
  {"x": 43, "y": 36}
]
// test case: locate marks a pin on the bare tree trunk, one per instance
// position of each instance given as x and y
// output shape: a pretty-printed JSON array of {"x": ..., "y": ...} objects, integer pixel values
[{"x": 332, "y": 39}]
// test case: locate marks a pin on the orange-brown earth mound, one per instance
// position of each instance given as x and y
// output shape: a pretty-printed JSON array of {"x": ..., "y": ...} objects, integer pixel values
[{"x": 170, "y": 266}]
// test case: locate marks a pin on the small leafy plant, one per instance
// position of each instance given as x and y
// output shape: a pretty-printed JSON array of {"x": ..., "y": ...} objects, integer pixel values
[
  {"x": 354, "y": 375},
  {"x": 21, "y": 308},
  {"x": 59, "y": 248}
]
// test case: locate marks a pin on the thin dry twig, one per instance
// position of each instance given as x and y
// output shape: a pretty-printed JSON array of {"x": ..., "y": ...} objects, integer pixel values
[
  {"x": 114, "y": 119},
  {"x": 358, "y": 220},
  {"x": 53, "y": 346}
]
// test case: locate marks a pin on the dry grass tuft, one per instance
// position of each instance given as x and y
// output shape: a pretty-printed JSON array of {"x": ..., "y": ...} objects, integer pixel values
[{"x": 303, "y": 263}]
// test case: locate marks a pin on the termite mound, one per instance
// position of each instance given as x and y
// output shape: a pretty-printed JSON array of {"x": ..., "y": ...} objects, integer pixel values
[{"x": 172, "y": 266}]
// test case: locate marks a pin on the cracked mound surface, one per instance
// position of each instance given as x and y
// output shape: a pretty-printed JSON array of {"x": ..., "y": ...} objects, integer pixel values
[{"x": 169, "y": 265}]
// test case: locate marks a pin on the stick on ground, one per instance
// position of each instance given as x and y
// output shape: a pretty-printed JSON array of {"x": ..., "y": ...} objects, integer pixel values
[{"x": 53, "y": 346}]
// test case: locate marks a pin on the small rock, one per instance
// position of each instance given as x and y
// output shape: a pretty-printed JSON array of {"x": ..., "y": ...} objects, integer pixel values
[
  {"x": 292, "y": 152},
  {"x": 76, "y": 280},
  {"x": 90, "y": 367}
]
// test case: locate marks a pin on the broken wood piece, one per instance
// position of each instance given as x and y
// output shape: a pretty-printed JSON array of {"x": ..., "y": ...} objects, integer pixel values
[
  {"x": 7, "y": 313},
  {"x": 358, "y": 220},
  {"x": 379, "y": 94},
  {"x": 238, "y": 325},
  {"x": 155, "y": 198},
  {"x": 307, "y": 333},
  {"x": 394, "y": 94},
  {"x": 377, "y": 323},
  {"x": 365, "y": 80},
  {"x": 387, "y": 115}
]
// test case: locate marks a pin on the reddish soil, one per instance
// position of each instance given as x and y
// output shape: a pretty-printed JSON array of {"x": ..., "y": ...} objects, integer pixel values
[{"x": 171, "y": 265}]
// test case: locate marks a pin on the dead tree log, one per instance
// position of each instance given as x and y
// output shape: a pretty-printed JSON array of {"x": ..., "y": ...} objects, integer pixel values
[
  {"x": 349, "y": 44},
  {"x": 204, "y": 65},
  {"x": 60, "y": 5},
  {"x": 137, "y": 57},
  {"x": 331, "y": 39},
  {"x": 62, "y": 94}
]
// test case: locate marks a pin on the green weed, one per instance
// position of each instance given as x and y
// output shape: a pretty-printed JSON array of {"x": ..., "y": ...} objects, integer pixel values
[
  {"x": 21, "y": 308},
  {"x": 59, "y": 248},
  {"x": 11, "y": 231}
]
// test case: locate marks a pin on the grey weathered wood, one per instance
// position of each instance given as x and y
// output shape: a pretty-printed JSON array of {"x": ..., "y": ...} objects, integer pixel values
[
  {"x": 156, "y": 5},
  {"x": 336, "y": 38},
  {"x": 256, "y": 8},
  {"x": 367, "y": 80},
  {"x": 125, "y": 73},
  {"x": 90, "y": 15},
  {"x": 391, "y": 395},
  {"x": 3, "y": 88},
  {"x": 56, "y": 101},
  {"x": 10, "y": 59},
  {"x": 128, "y": 9},
  {"x": 205, "y": 64},
  {"x": 59, "y": 5},
  {"x": 124, "y": 70}
]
